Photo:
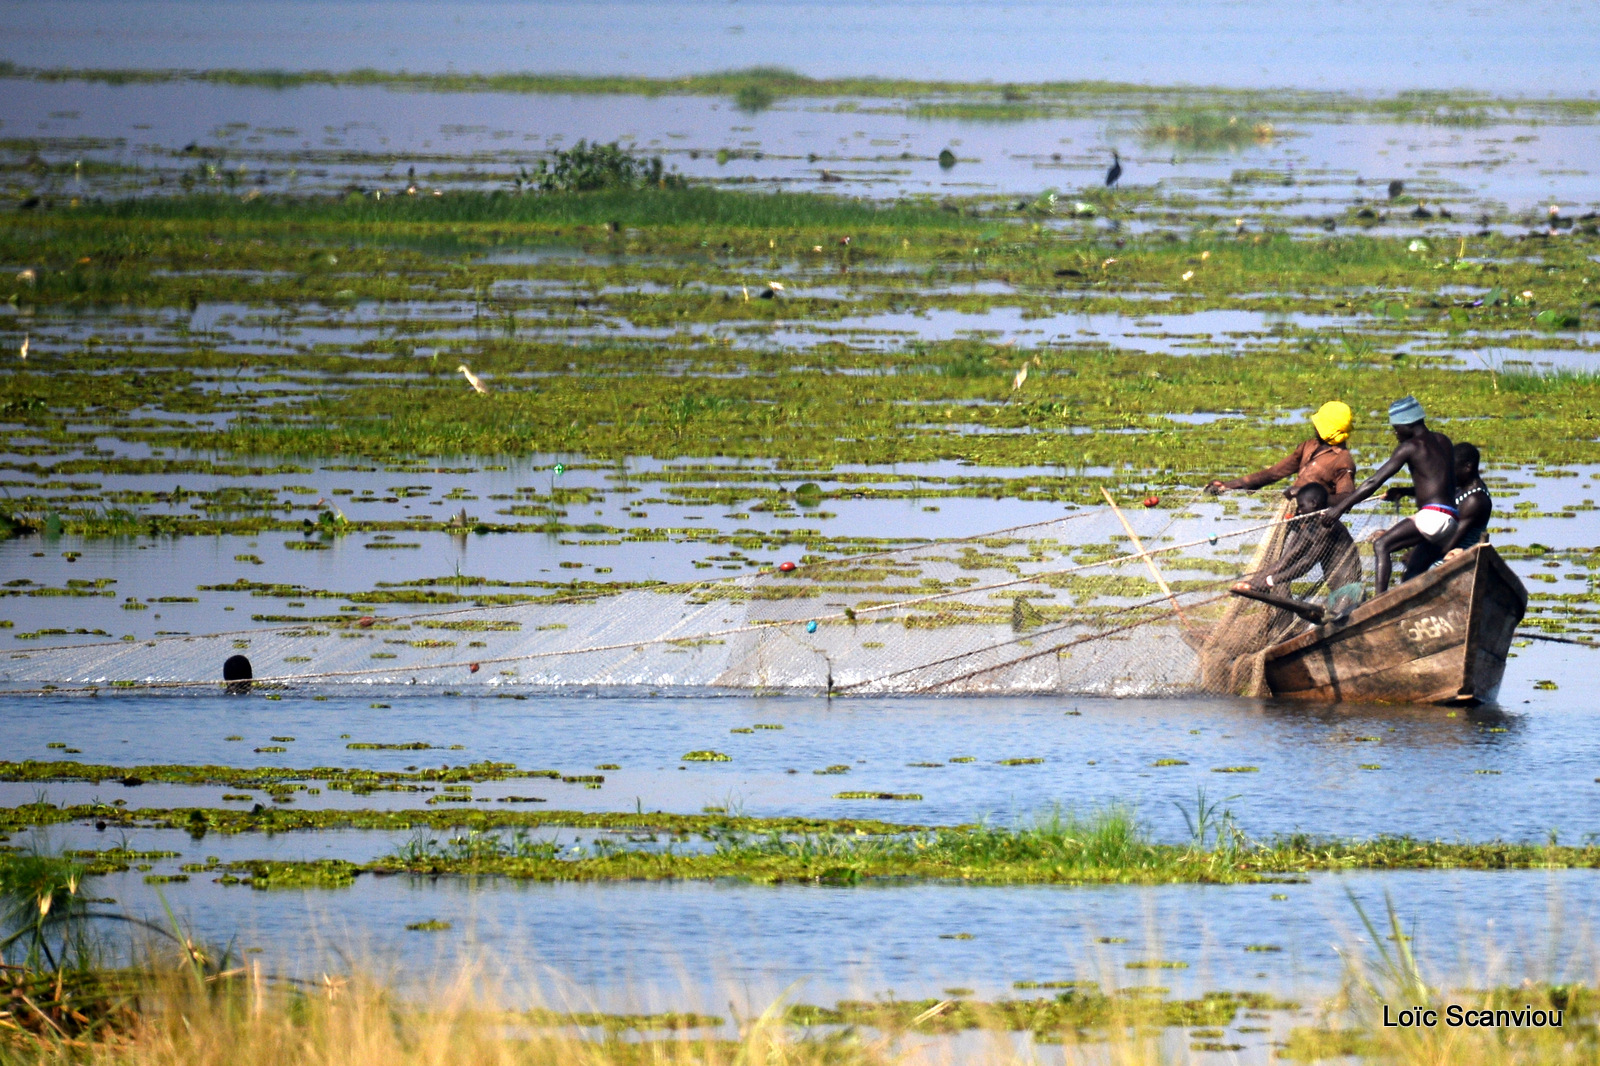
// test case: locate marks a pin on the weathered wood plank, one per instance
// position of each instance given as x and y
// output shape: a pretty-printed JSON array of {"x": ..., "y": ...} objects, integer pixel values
[{"x": 1441, "y": 638}]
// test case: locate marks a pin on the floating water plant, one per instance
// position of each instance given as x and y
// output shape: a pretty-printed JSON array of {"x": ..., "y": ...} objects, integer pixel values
[
  {"x": 706, "y": 756},
  {"x": 908, "y": 796}
]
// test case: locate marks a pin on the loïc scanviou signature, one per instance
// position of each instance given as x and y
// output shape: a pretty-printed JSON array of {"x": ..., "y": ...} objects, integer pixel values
[{"x": 1457, "y": 1017}]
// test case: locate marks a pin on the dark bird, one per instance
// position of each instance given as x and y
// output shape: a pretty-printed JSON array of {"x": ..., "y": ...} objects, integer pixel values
[
  {"x": 1396, "y": 187},
  {"x": 1115, "y": 173}
]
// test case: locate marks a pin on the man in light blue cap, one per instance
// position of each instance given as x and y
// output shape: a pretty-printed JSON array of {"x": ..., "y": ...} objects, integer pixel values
[{"x": 1431, "y": 458}]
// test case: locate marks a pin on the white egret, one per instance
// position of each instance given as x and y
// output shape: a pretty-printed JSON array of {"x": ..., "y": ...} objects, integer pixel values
[
  {"x": 24, "y": 350},
  {"x": 474, "y": 380}
]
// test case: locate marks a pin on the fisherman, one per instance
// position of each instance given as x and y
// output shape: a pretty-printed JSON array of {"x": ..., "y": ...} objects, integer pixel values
[
  {"x": 1473, "y": 508},
  {"x": 1323, "y": 460},
  {"x": 1307, "y": 543},
  {"x": 1431, "y": 459}
]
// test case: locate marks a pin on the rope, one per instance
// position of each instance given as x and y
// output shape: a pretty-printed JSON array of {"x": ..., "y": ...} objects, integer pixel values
[{"x": 849, "y": 614}]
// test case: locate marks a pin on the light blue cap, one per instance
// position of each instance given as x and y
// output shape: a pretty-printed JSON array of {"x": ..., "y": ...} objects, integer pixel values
[{"x": 1404, "y": 412}]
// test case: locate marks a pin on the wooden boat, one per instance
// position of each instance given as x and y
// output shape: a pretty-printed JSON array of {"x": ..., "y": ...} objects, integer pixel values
[{"x": 1439, "y": 638}]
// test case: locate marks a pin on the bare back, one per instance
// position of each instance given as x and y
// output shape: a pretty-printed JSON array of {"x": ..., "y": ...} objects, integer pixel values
[{"x": 1430, "y": 457}]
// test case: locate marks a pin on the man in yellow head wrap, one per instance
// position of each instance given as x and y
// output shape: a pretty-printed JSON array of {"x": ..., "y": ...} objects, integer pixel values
[{"x": 1323, "y": 460}]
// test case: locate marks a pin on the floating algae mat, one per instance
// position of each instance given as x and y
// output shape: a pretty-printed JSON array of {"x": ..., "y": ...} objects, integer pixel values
[{"x": 1104, "y": 600}]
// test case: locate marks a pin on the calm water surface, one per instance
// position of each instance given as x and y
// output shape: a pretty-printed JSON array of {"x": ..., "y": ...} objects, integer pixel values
[
  {"x": 1514, "y": 773},
  {"x": 1498, "y": 45}
]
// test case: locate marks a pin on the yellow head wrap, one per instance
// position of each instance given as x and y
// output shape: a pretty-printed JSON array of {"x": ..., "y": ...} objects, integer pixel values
[{"x": 1333, "y": 422}]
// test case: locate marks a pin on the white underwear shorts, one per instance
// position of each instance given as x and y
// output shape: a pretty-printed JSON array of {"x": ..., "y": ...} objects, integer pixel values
[{"x": 1436, "y": 524}]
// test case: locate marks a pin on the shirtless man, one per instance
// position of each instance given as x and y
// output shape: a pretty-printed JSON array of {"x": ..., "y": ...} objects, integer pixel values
[
  {"x": 1431, "y": 459},
  {"x": 1472, "y": 520}
]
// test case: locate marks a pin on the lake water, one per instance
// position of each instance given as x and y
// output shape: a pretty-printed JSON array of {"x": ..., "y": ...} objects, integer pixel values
[
  {"x": 1517, "y": 772},
  {"x": 1359, "y": 45},
  {"x": 1523, "y": 770}
]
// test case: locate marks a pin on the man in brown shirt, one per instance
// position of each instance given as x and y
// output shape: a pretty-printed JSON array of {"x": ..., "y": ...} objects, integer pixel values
[{"x": 1323, "y": 460}]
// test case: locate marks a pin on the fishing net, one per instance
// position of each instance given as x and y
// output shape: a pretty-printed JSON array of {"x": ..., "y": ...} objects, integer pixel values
[{"x": 1109, "y": 600}]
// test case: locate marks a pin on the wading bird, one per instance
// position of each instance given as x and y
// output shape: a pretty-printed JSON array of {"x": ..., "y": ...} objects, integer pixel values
[
  {"x": 1115, "y": 173},
  {"x": 474, "y": 380},
  {"x": 1396, "y": 187},
  {"x": 23, "y": 351},
  {"x": 1022, "y": 376}
]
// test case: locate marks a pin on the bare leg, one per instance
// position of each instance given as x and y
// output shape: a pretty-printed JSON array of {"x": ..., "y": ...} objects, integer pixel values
[
  {"x": 1421, "y": 558},
  {"x": 1399, "y": 537}
]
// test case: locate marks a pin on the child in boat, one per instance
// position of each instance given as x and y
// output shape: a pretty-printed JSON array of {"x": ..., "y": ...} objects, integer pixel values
[
  {"x": 1473, "y": 508},
  {"x": 1323, "y": 460},
  {"x": 1431, "y": 458},
  {"x": 1307, "y": 544}
]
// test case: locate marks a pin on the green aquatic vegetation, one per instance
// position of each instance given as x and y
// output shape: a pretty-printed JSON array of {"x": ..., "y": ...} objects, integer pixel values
[
  {"x": 353, "y": 778},
  {"x": 42, "y": 911},
  {"x": 1081, "y": 1006},
  {"x": 431, "y": 925},
  {"x": 313, "y": 873},
  {"x": 1106, "y": 847},
  {"x": 1202, "y": 129},
  {"x": 274, "y": 820},
  {"x": 621, "y": 1023},
  {"x": 706, "y": 756},
  {"x": 589, "y": 167},
  {"x": 912, "y": 797}
]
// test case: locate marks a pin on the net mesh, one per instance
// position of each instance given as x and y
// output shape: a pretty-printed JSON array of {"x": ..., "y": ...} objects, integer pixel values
[{"x": 1111, "y": 600}]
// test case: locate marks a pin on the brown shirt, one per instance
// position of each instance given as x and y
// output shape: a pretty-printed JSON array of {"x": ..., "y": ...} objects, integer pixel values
[{"x": 1328, "y": 465}]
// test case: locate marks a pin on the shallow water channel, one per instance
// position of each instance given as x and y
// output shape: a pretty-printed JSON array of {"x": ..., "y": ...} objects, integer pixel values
[{"x": 1519, "y": 772}]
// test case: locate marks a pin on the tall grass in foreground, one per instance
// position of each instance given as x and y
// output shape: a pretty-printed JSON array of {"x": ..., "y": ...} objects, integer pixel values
[{"x": 252, "y": 1020}]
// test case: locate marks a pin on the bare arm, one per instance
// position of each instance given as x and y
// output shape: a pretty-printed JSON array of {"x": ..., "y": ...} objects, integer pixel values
[
  {"x": 1388, "y": 470},
  {"x": 1474, "y": 512}
]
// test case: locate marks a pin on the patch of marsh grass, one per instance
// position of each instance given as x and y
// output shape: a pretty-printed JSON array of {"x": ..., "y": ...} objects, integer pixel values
[{"x": 1200, "y": 128}]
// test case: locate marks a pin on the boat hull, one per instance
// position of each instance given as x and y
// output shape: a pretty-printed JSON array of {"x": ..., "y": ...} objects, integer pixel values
[{"x": 1439, "y": 638}]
